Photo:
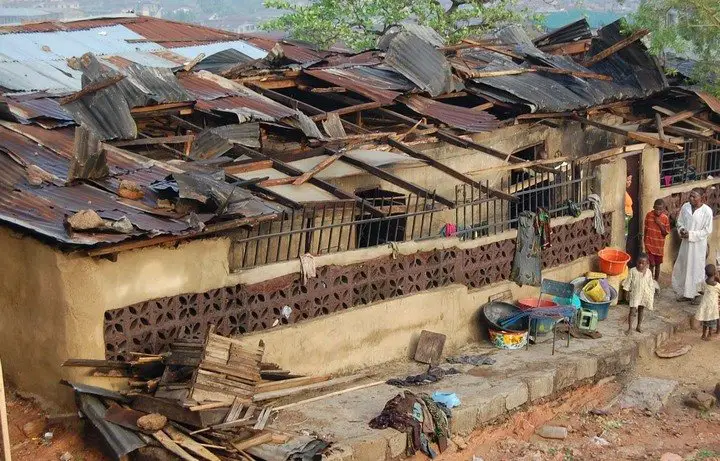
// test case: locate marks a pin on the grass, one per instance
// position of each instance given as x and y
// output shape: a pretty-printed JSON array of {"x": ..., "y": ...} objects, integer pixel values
[{"x": 705, "y": 454}]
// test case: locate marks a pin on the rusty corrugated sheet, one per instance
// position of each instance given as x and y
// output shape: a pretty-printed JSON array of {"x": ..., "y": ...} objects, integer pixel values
[
  {"x": 246, "y": 106},
  {"x": 203, "y": 88},
  {"x": 349, "y": 80},
  {"x": 30, "y": 108},
  {"x": 474, "y": 121},
  {"x": 712, "y": 102},
  {"x": 421, "y": 63}
]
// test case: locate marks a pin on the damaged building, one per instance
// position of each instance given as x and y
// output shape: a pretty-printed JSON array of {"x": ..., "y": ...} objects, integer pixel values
[{"x": 160, "y": 177}]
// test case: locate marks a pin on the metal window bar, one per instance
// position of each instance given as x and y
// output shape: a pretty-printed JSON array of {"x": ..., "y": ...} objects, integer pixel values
[{"x": 698, "y": 160}]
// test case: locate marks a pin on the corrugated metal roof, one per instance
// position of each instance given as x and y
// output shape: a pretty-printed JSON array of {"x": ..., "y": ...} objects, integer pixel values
[
  {"x": 54, "y": 77},
  {"x": 209, "y": 49},
  {"x": 203, "y": 88},
  {"x": 58, "y": 46},
  {"x": 464, "y": 118},
  {"x": 578, "y": 30},
  {"x": 372, "y": 87},
  {"x": 424, "y": 33},
  {"x": 421, "y": 63},
  {"x": 248, "y": 107},
  {"x": 31, "y": 108},
  {"x": 120, "y": 440}
]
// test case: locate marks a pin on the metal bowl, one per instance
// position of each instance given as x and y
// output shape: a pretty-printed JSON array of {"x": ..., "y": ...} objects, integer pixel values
[{"x": 497, "y": 311}]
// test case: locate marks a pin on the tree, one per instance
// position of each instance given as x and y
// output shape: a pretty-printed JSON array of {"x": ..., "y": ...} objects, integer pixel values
[
  {"x": 358, "y": 23},
  {"x": 686, "y": 27}
]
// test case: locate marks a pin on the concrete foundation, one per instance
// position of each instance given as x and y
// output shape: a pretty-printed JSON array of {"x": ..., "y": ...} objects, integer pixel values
[{"x": 487, "y": 393}]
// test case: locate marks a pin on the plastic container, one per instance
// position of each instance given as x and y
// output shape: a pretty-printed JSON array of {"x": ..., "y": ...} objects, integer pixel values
[
  {"x": 595, "y": 275},
  {"x": 594, "y": 291},
  {"x": 601, "y": 308},
  {"x": 613, "y": 261},
  {"x": 534, "y": 303},
  {"x": 511, "y": 340}
]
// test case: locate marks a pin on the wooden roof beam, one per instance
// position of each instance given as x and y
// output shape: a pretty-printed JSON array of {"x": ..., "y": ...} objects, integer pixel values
[
  {"x": 450, "y": 138},
  {"x": 292, "y": 171},
  {"x": 614, "y": 48},
  {"x": 450, "y": 171},
  {"x": 634, "y": 135},
  {"x": 392, "y": 179}
]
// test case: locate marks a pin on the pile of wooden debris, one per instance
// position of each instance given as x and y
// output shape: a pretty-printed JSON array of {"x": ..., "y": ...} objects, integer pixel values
[{"x": 211, "y": 400}]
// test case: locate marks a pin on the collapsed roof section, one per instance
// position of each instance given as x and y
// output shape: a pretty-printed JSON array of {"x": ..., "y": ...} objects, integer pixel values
[{"x": 178, "y": 151}]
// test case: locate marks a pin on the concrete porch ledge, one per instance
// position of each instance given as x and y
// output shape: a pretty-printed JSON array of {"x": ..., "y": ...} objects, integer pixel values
[{"x": 487, "y": 392}]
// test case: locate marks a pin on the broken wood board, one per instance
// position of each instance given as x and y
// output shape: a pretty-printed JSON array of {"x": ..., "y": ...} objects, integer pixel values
[
  {"x": 288, "y": 383},
  {"x": 173, "y": 447},
  {"x": 332, "y": 394},
  {"x": 259, "y": 439},
  {"x": 188, "y": 443},
  {"x": 310, "y": 387},
  {"x": 429, "y": 348},
  {"x": 175, "y": 412}
]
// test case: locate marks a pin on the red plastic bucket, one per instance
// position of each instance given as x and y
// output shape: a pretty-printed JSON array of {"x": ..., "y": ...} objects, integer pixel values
[
  {"x": 613, "y": 261},
  {"x": 533, "y": 303}
]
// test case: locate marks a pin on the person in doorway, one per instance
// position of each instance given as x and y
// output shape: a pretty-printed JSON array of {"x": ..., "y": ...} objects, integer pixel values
[
  {"x": 641, "y": 287},
  {"x": 657, "y": 227},
  {"x": 708, "y": 311},
  {"x": 628, "y": 205},
  {"x": 694, "y": 224}
]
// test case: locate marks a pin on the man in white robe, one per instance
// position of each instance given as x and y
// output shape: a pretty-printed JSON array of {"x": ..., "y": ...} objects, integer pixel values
[{"x": 694, "y": 224}]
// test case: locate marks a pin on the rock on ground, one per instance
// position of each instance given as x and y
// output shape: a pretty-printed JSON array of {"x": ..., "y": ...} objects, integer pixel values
[
  {"x": 152, "y": 422},
  {"x": 34, "y": 428},
  {"x": 647, "y": 393},
  {"x": 671, "y": 457},
  {"x": 701, "y": 401}
]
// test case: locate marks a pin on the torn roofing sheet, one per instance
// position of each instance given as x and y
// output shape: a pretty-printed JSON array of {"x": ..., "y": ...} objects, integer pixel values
[
  {"x": 303, "y": 193},
  {"x": 464, "y": 118},
  {"x": 42, "y": 210},
  {"x": 105, "y": 112},
  {"x": 250, "y": 106},
  {"x": 36, "y": 107},
  {"x": 214, "y": 142},
  {"x": 578, "y": 30},
  {"x": 632, "y": 66},
  {"x": 120, "y": 440},
  {"x": 202, "y": 88},
  {"x": 363, "y": 81},
  {"x": 421, "y": 63},
  {"x": 424, "y": 33}
]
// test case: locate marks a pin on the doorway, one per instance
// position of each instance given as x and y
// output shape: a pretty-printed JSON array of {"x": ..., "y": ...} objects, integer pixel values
[{"x": 633, "y": 241}]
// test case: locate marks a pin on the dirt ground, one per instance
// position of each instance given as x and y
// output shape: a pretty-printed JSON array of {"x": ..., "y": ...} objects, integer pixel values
[
  {"x": 627, "y": 434},
  {"x": 621, "y": 434},
  {"x": 67, "y": 436}
]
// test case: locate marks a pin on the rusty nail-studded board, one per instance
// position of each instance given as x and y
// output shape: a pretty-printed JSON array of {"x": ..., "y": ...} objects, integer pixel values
[{"x": 152, "y": 325}]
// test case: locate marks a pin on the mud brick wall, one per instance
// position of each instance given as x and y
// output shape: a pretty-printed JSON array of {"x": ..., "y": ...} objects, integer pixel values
[{"x": 150, "y": 326}]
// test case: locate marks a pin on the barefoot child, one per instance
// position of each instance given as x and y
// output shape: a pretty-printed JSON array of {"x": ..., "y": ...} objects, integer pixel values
[
  {"x": 708, "y": 311},
  {"x": 641, "y": 286},
  {"x": 657, "y": 227}
]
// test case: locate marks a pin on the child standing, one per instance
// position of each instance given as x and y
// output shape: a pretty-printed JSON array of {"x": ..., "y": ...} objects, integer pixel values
[
  {"x": 708, "y": 311},
  {"x": 657, "y": 227},
  {"x": 641, "y": 286}
]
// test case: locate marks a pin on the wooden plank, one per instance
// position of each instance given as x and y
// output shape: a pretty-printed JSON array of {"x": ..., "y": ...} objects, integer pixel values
[
  {"x": 277, "y": 181},
  {"x": 253, "y": 441},
  {"x": 449, "y": 171},
  {"x": 7, "y": 455},
  {"x": 151, "y": 141},
  {"x": 577, "y": 47},
  {"x": 642, "y": 137},
  {"x": 609, "y": 51},
  {"x": 348, "y": 110},
  {"x": 208, "y": 406},
  {"x": 659, "y": 126},
  {"x": 235, "y": 410},
  {"x": 172, "y": 447},
  {"x": 332, "y": 394},
  {"x": 429, "y": 348},
  {"x": 159, "y": 107},
  {"x": 694, "y": 121},
  {"x": 263, "y": 418},
  {"x": 173, "y": 411},
  {"x": 302, "y": 179},
  {"x": 247, "y": 167},
  {"x": 678, "y": 117},
  {"x": 190, "y": 444},
  {"x": 310, "y": 387},
  {"x": 693, "y": 134},
  {"x": 92, "y": 363},
  {"x": 288, "y": 383},
  {"x": 92, "y": 88}
]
